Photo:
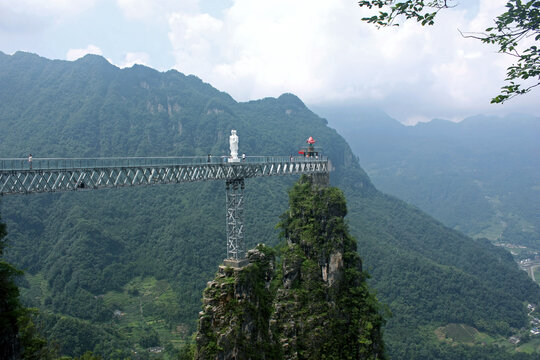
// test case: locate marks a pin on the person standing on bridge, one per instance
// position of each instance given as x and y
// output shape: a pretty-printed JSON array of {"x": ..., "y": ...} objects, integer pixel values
[
  {"x": 243, "y": 157},
  {"x": 30, "y": 161}
]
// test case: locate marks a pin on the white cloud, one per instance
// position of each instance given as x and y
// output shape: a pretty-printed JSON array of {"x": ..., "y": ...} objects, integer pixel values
[
  {"x": 196, "y": 40},
  {"x": 154, "y": 10},
  {"x": 45, "y": 9},
  {"x": 488, "y": 10},
  {"x": 74, "y": 54},
  {"x": 133, "y": 58},
  {"x": 258, "y": 49},
  {"x": 130, "y": 58},
  {"x": 32, "y": 16},
  {"x": 48, "y": 7},
  {"x": 317, "y": 49},
  {"x": 323, "y": 52}
]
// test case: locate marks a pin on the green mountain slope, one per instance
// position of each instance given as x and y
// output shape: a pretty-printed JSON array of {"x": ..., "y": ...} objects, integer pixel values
[
  {"x": 91, "y": 253},
  {"x": 480, "y": 176}
]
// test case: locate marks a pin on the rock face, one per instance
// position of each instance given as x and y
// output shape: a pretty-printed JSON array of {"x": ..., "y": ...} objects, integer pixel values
[
  {"x": 234, "y": 322},
  {"x": 315, "y": 306},
  {"x": 323, "y": 308}
]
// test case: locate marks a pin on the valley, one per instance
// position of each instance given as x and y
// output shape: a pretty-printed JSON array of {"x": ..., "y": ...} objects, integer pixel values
[
  {"x": 479, "y": 176},
  {"x": 140, "y": 311},
  {"x": 122, "y": 270}
]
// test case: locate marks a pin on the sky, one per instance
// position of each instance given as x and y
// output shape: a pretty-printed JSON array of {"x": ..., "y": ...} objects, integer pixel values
[{"x": 319, "y": 50}]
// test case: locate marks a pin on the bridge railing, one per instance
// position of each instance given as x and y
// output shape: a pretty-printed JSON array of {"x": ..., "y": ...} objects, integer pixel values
[{"x": 85, "y": 163}]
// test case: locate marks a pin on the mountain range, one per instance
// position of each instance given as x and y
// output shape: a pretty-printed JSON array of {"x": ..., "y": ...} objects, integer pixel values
[
  {"x": 117, "y": 271},
  {"x": 480, "y": 176}
]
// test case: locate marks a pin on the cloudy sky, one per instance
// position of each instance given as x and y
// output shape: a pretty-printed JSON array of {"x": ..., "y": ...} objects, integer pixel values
[{"x": 319, "y": 50}]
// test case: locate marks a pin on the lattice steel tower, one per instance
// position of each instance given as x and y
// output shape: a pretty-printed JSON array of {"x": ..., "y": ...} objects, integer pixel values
[{"x": 235, "y": 219}]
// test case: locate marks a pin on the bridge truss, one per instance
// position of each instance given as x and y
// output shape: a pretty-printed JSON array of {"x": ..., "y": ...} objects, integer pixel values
[{"x": 19, "y": 176}]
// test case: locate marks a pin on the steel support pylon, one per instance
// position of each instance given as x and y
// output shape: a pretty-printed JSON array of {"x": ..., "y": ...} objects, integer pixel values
[{"x": 235, "y": 219}]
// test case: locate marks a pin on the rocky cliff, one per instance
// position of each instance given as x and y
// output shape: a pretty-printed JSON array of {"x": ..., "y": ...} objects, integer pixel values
[
  {"x": 314, "y": 305},
  {"x": 234, "y": 322}
]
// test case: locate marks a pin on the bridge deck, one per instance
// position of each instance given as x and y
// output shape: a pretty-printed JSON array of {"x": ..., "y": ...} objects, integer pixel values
[{"x": 19, "y": 176}]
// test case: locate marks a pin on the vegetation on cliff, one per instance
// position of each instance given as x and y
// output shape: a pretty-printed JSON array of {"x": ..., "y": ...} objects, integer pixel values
[
  {"x": 237, "y": 304},
  {"x": 320, "y": 306},
  {"x": 324, "y": 308}
]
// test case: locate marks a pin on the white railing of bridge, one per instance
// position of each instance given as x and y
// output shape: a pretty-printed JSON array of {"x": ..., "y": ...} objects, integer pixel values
[{"x": 17, "y": 164}]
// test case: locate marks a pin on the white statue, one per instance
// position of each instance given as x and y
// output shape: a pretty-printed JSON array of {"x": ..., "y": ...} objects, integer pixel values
[{"x": 233, "y": 141}]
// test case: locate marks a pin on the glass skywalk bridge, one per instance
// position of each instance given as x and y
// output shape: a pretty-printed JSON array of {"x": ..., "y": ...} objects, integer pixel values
[
  {"x": 41, "y": 175},
  {"x": 19, "y": 176}
]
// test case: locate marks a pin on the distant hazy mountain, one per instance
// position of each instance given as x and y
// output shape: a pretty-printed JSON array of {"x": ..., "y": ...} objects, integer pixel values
[
  {"x": 480, "y": 176},
  {"x": 117, "y": 270}
]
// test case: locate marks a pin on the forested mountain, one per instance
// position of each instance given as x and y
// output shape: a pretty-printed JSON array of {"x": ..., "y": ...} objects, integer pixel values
[
  {"x": 480, "y": 176},
  {"x": 120, "y": 270}
]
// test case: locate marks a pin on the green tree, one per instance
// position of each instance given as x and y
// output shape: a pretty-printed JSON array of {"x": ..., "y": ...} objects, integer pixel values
[
  {"x": 10, "y": 307},
  {"x": 149, "y": 338},
  {"x": 19, "y": 338},
  {"x": 516, "y": 32}
]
